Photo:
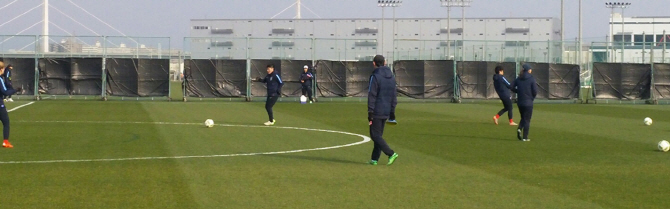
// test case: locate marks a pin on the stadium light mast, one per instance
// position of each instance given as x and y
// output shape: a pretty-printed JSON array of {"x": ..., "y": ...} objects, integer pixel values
[
  {"x": 449, "y": 4},
  {"x": 45, "y": 28},
  {"x": 613, "y": 5},
  {"x": 298, "y": 15},
  {"x": 383, "y": 4}
]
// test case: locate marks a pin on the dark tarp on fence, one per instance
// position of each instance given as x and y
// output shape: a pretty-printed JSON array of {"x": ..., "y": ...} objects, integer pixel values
[
  {"x": 343, "y": 78},
  {"x": 476, "y": 78},
  {"x": 358, "y": 77},
  {"x": 424, "y": 79},
  {"x": 331, "y": 79},
  {"x": 23, "y": 74},
  {"x": 71, "y": 76},
  {"x": 563, "y": 81},
  {"x": 622, "y": 81},
  {"x": 138, "y": 77},
  {"x": 662, "y": 81},
  {"x": 215, "y": 78}
]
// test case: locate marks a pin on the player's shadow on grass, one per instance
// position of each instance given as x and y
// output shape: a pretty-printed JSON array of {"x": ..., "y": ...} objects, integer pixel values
[{"x": 315, "y": 158}]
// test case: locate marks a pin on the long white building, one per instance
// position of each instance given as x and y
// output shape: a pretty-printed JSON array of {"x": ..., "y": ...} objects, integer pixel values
[
  {"x": 644, "y": 38},
  {"x": 356, "y": 39}
]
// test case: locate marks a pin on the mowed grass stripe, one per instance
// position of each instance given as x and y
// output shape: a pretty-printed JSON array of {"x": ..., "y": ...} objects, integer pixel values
[
  {"x": 125, "y": 185},
  {"x": 586, "y": 154}
]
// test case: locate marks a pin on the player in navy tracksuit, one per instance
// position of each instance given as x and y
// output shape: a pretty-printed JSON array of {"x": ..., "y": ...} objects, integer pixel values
[
  {"x": 382, "y": 100},
  {"x": 306, "y": 81},
  {"x": 526, "y": 91},
  {"x": 7, "y": 77},
  {"x": 503, "y": 87},
  {"x": 274, "y": 84},
  {"x": 4, "y": 116}
]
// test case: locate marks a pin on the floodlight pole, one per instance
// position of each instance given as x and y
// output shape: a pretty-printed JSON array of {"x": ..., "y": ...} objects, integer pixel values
[
  {"x": 611, "y": 44},
  {"x": 562, "y": 29},
  {"x": 383, "y": 4},
  {"x": 455, "y": 3},
  {"x": 623, "y": 34},
  {"x": 448, "y": 31},
  {"x": 622, "y": 5},
  {"x": 579, "y": 42},
  {"x": 45, "y": 28}
]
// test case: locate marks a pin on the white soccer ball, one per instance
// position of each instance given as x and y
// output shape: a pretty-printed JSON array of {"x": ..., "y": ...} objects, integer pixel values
[
  {"x": 303, "y": 99},
  {"x": 664, "y": 146},
  {"x": 647, "y": 121},
  {"x": 209, "y": 123}
]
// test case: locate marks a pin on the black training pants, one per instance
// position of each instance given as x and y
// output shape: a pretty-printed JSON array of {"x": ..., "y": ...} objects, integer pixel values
[
  {"x": 526, "y": 115},
  {"x": 269, "y": 103},
  {"x": 4, "y": 117},
  {"x": 307, "y": 91},
  {"x": 376, "y": 132},
  {"x": 508, "y": 107}
]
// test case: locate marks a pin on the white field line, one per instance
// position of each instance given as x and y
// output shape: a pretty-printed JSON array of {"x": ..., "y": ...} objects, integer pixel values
[
  {"x": 365, "y": 140},
  {"x": 20, "y": 106}
]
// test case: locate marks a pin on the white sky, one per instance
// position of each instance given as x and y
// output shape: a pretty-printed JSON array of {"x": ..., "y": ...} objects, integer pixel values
[{"x": 170, "y": 18}]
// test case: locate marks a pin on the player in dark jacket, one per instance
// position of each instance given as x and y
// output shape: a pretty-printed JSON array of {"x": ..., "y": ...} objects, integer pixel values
[
  {"x": 382, "y": 100},
  {"x": 526, "y": 91},
  {"x": 274, "y": 84},
  {"x": 503, "y": 87},
  {"x": 4, "y": 115},
  {"x": 306, "y": 81},
  {"x": 7, "y": 77}
]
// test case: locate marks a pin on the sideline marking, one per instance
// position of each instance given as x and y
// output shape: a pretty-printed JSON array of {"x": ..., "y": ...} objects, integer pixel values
[
  {"x": 365, "y": 140},
  {"x": 20, "y": 106}
]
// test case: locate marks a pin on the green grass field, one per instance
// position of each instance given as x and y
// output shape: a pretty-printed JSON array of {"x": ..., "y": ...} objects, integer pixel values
[{"x": 451, "y": 156}]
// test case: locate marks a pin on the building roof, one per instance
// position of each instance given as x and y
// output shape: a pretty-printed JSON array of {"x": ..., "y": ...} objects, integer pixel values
[{"x": 376, "y": 18}]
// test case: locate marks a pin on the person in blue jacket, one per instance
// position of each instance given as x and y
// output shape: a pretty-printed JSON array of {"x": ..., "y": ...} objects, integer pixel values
[
  {"x": 382, "y": 100},
  {"x": 306, "y": 83},
  {"x": 4, "y": 115},
  {"x": 7, "y": 77},
  {"x": 526, "y": 91},
  {"x": 503, "y": 87},
  {"x": 274, "y": 84}
]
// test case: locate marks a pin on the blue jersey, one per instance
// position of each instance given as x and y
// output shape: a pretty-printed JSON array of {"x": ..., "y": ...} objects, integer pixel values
[
  {"x": 274, "y": 84},
  {"x": 502, "y": 86}
]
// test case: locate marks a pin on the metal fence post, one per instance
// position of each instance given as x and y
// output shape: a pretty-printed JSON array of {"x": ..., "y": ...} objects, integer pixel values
[
  {"x": 314, "y": 68},
  {"x": 248, "y": 80},
  {"x": 36, "y": 86},
  {"x": 103, "y": 94}
]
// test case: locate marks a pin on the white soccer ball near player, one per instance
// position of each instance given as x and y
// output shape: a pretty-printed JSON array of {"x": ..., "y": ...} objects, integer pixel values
[
  {"x": 647, "y": 121},
  {"x": 664, "y": 146},
  {"x": 303, "y": 99},
  {"x": 209, "y": 123}
]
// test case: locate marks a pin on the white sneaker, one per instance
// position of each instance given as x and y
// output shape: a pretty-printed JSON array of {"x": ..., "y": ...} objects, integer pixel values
[
  {"x": 10, "y": 100},
  {"x": 513, "y": 124},
  {"x": 495, "y": 120},
  {"x": 270, "y": 123}
]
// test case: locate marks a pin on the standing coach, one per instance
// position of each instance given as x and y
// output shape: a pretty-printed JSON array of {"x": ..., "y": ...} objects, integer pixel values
[
  {"x": 526, "y": 91},
  {"x": 306, "y": 81},
  {"x": 382, "y": 100}
]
